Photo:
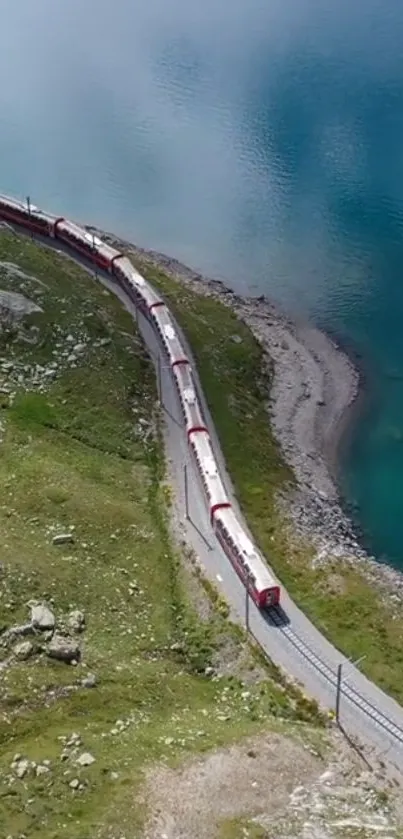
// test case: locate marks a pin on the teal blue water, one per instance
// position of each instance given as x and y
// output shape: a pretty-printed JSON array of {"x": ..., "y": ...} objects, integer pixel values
[{"x": 260, "y": 142}]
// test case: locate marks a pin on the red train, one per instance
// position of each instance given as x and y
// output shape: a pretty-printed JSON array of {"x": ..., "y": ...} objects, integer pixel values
[{"x": 243, "y": 554}]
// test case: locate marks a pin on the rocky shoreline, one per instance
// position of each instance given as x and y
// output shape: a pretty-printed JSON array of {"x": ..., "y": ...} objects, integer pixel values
[{"x": 315, "y": 386}]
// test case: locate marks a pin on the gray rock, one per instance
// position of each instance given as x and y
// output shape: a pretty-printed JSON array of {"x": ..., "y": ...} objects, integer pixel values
[
  {"x": 22, "y": 768},
  {"x": 76, "y": 621},
  {"x": 16, "y": 632},
  {"x": 23, "y": 650},
  {"x": 63, "y": 538},
  {"x": 41, "y": 617},
  {"x": 74, "y": 784},
  {"x": 90, "y": 681},
  {"x": 86, "y": 759},
  {"x": 41, "y": 770},
  {"x": 63, "y": 649}
]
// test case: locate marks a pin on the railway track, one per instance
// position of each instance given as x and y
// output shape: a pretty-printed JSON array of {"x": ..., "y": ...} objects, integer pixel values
[
  {"x": 346, "y": 690},
  {"x": 302, "y": 648}
]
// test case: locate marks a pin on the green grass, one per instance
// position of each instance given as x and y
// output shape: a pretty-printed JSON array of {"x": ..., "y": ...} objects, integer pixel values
[
  {"x": 339, "y": 600},
  {"x": 241, "y": 829},
  {"x": 82, "y": 449}
]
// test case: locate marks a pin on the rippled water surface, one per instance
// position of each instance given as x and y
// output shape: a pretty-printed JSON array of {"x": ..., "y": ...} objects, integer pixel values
[{"x": 260, "y": 141}]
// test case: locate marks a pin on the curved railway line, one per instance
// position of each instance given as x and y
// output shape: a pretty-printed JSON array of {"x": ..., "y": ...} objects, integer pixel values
[
  {"x": 348, "y": 692},
  {"x": 283, "y": 633}
]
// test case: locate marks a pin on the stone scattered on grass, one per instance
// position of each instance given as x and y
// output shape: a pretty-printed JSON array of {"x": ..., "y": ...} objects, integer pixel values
[
  {"x": 41, "y": 770},
  {"x": 23, "y": 650},
  {"x": 63, "y": 649},
  {"x": 63, "y": 538},
  {"x": 86, "y": 759},
  {"x": 42, "y": 617},
  {"x": 76, "y": 621},
  {"x": 20, "y": 766},
  {"x": 89, "y": 681}
]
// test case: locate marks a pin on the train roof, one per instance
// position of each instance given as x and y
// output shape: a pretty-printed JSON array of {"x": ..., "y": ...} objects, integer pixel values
[
  {"x": 142, "y": 286},
  {"x": 193, "y": 411},
  {"x": 252, "y": 556},
  {"x": 23, "y": 205},
  {"x": 164, "y": 318},
  {"x": 200, "y": 441},
  {"x": 79, "y": 232},
  {"x": 106, "y": 249}
]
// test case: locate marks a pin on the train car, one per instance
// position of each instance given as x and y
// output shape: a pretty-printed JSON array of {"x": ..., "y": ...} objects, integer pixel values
[
  {"x": 169, "y": 336},
  {"x": 246, "y": 559},
  {"x": 135, "y": 286},
  {"x": 213, "y": 486},
  {"x": 190, "y": 405},
  {"x": 89, "y": 245},
  {"x": 27, "y": 215}
]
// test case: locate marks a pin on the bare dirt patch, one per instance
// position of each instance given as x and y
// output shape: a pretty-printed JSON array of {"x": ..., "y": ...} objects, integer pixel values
[
  {"x": 252, "y": 778},
  {"x": 275, "y": 787}
]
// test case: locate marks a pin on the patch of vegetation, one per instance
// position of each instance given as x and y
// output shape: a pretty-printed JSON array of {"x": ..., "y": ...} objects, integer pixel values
[
  {"x": 81, "y": 453},
  {"x": 236, "y": 383},
  {"x": 241, "y": 829}
]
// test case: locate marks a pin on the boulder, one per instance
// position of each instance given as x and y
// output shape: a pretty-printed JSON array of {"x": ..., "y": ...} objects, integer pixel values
[
  {"x": 23, "y": 650},
  {"x": 76, "y": 621},
  {"x": 42, "y": 617},
  {"x": 15, "y": 632},
  {"x": 63, "y": 649}
]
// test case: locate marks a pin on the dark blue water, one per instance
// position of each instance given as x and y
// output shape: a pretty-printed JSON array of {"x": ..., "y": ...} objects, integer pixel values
[{"x": 261, "y": 142}]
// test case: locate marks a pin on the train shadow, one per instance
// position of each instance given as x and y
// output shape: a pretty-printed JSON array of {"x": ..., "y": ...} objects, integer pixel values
[{"x": 276, "y": 616}]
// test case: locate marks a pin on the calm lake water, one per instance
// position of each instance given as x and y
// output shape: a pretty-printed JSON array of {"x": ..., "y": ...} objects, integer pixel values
[{"x": 260, "y": 142}]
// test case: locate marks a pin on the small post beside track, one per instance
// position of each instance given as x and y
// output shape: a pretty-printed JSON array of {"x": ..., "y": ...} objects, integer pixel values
[{"x": 338, "y": 692}]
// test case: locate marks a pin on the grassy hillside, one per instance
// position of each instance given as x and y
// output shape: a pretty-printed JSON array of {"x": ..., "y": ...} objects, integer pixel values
[
  {"x": 339, "y": 599},
  {"x": 155, "y": 673}
]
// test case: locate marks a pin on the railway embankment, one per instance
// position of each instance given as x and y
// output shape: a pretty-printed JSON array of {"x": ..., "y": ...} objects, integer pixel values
[
  {"x": 101, "y": 677},
  {"x": 278, "y": 391},
  {"x": 112, "y": 697}
]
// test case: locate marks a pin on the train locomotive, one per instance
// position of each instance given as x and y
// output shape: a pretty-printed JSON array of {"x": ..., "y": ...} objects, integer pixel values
[{"x": 230, "y": 533}]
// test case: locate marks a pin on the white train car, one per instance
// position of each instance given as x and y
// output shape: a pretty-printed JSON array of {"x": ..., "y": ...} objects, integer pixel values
[
  {"x": 213, "y": 486},
  {"x": 190, "y": 405},
  {"x": 246, "y": 559},
  {"x": 169, "y": 336},
  {"x": 86, "y": 243},
  {"x": 135, "y": 286}
]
